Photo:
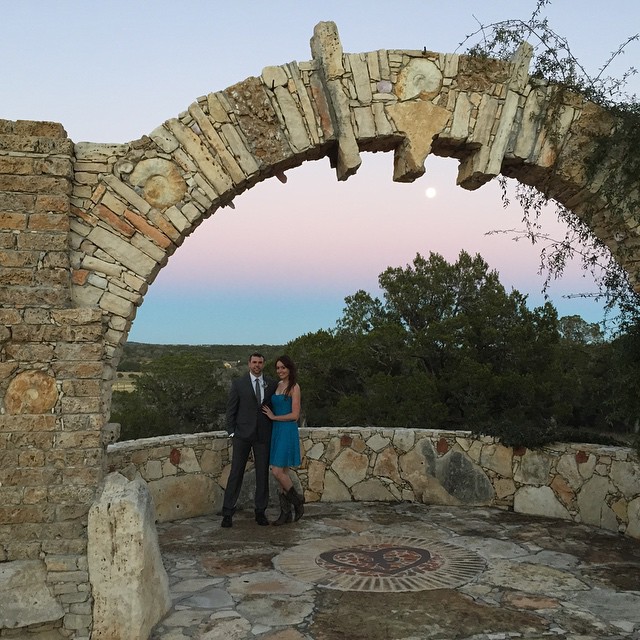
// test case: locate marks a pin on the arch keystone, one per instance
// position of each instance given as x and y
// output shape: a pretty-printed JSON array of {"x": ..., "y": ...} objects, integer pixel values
[{"x": 420, "y": 122}]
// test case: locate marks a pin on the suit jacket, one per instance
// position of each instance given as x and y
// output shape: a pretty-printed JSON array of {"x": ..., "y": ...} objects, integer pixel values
[{"x": 244, "y": 415}]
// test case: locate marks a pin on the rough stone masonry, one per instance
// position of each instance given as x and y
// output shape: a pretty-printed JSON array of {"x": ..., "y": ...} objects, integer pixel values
[{"x": 85, "y": 229}]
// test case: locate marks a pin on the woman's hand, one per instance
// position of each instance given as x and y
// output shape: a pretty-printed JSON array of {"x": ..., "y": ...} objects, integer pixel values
[{"x": 267, "y": 411}]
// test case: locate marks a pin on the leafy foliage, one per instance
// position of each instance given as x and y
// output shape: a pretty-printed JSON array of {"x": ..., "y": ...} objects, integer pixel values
[
  {"x": 174, "y": 394},
  {"x": 555, "y": 64},
  {"x": 448, "y": 347}
]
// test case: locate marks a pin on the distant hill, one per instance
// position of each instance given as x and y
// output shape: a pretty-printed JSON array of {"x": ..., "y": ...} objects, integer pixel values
[{"x": 138, "y": 353}]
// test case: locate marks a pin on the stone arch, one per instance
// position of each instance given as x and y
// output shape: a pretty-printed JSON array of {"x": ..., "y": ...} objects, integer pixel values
[
  {"x": 87, "y": 227},
  {"x": 147, "y": 196}
]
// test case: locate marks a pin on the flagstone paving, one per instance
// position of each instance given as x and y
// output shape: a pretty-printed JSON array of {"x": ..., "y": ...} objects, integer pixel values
[{"x": 405, "y": 571}]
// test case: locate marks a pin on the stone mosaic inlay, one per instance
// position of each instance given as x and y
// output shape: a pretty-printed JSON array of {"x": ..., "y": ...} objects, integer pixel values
[{"x": 380, "y": 563}]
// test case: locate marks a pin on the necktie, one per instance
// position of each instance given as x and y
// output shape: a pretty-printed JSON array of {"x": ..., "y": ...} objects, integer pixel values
[{"x": 258, "y": 397}]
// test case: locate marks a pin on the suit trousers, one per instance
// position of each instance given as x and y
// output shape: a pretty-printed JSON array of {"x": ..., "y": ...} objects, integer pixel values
[{"x": 239, "y": 458}]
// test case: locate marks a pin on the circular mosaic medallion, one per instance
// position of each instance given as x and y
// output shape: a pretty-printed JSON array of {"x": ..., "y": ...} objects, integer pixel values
[{"x": 380, "y": 563}]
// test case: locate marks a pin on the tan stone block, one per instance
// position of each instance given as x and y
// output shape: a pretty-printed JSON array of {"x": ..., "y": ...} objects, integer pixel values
[
  {"x": 86, "y": 404},
  {"x": 316, "y": 476},
  {"x": 48, "y": 222},
  {"x": 504, "y": 487},
  {"x": 26, "y": 513},
  {"x": 75, "y": 387},
  {"x": 78, "y": 351},
  {"x": 38, "y": 241},
  {"x": 13, "y": 220},
  {"x": 51, "y": 203},
  {"x": 82, "y": 476},
  {"x": 386, "y": 465},
  {"x": 78, "y": 369},
  {"x": 31, "y": 458},
  {"x": 77, "y": 439},
  {"x": 10, "y": 317},
  {"x": 35, "y": 495},
  {"x": 19, "y": 258},
  {"x": 350, "y": 467}
]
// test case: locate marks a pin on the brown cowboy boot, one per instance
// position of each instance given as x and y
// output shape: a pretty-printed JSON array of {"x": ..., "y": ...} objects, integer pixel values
[
  {"x": 297, "y": 501},
  {"x": 285, "y": 511}
]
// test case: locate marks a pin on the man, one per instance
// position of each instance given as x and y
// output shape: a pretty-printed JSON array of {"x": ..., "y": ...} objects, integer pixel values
[{"x": 250, "y": 429}]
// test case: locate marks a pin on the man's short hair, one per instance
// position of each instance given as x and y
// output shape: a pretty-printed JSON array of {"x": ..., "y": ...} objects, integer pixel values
[{"x": 255, "y": 354}]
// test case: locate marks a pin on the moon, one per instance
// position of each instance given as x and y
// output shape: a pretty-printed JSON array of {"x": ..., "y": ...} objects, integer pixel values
[{"x": 430, "y": 192}]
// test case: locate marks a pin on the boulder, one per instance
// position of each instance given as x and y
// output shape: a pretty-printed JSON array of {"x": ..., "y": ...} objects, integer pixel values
[{"x": 129, "y": 583}]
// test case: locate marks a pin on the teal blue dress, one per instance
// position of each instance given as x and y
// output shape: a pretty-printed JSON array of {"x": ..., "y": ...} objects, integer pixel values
[{"x": 285, "y": 441}]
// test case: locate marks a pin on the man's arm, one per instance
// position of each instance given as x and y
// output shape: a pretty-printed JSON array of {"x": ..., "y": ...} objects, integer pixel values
[{"x": 232, "y": 408}]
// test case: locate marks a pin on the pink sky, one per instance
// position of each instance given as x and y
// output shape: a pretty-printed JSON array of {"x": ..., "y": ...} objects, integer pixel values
[{"x": 281, "y": 263}]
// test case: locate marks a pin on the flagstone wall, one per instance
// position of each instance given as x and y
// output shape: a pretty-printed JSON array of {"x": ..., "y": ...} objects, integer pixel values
[{"x": 584, "y": 483}]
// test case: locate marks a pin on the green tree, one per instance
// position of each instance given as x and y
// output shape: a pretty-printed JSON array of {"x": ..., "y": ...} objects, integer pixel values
[
  {"x": 448, "y": 347},
  {"x": 177, "y": 393}
]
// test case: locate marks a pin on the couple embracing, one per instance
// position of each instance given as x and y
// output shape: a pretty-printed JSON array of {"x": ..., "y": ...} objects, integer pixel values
[{"x": 262, "y": 417}]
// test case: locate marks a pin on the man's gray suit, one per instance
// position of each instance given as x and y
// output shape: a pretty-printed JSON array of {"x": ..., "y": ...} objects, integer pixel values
[{"x": 251, "y": 430}]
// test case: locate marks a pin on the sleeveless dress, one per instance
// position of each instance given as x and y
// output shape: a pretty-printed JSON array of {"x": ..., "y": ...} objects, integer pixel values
[{"x": 285, "y": 441}]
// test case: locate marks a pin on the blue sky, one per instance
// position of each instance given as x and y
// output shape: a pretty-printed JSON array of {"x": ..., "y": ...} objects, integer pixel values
[{"x": 281, "y": 263}]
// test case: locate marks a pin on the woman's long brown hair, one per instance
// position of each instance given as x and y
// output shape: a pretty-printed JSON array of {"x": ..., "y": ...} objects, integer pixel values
[{"x": 293, "y": 372}]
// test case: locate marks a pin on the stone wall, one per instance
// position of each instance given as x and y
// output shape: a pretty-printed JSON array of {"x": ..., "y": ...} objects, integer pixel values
[
  {"x": 52, "y": 390},
  {"x": 580, "y": 482}
]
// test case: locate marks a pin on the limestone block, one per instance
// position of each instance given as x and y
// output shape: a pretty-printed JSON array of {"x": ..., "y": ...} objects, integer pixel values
[
  {"x": 130, "y": 586},
  {"x": 365, "y": 123},
  {"x": 626, "y": 476},
  {"x": 122, "y": 251},
  {"x": 464, "y": 480},
  {"x": 386, "y": 465},
  {"x": 498, "y": 458},
  {"x": 361, "y": 78},
  {"x": 372, "y": 489},
  {"x": 504, "y": 488},
  {"x": 420, "y": 122},
  {"x": 404, "y": 439},
  {"x": 591, "y": 499},
  {"x": 420, "y": 460},
  {"x": 633, "y": 514},
  {"x": 293, "y": 120},
  {"x": 586, "y": 469},
  {"x": 316, "y": 476},
  {"x": 188, "y": 461},
  {"x": 207, "y": 164},
  {"x": 539, "y": 501},
  {"x": 184, "y": 496},
  {"x": 334, "y": 489},
  {"x": 240, "y": 151},
  {"x": 461, "y": 118},
  {"x": 216, "y": 142},
  {"x": 534, "y": 468},
  {"x": 25, "y": 596},
  {"x": 567, "y": 467},
  {"x": 350, "y": 466},
  {"x": 315, "y": 451},
  {"x": 377, "y": 442},
  {"x": 274, "y": 77}
]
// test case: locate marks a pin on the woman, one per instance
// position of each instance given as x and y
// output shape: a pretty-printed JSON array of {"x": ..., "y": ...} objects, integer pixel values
[{"x": 285, "y": 441}]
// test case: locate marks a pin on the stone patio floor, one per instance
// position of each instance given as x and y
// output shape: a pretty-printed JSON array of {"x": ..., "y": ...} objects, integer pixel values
[{"x": 405, "y": 571}]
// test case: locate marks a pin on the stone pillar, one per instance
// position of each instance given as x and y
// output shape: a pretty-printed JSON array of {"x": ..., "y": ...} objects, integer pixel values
[{"x": 51, "y": 380}]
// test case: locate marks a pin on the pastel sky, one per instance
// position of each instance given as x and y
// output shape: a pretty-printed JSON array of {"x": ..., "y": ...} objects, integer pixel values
[{"x": 281, "y": 263}]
